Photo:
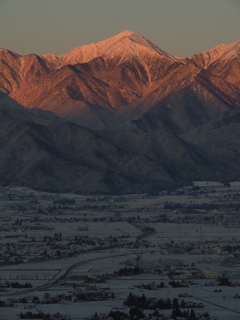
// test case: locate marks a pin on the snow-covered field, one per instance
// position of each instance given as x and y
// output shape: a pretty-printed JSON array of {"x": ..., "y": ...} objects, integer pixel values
[{"x": 150, "y": 253}]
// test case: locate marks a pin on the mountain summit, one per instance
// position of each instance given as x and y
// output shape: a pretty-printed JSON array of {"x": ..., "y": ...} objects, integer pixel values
[
  {"x": 137, "y": 103},
  {"x": 125, "y": 44},
  {"x": 223, "y": 52},
  {"x": 124, "y": 81}
]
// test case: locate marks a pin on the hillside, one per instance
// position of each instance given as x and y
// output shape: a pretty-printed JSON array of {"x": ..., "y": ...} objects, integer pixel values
[
  {"x": 119, "y": 116},
  {"x": 65, "y": 157}
]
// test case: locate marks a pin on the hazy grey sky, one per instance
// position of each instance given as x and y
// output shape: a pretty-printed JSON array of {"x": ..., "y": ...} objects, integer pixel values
[{"x": 180, "y": 27}]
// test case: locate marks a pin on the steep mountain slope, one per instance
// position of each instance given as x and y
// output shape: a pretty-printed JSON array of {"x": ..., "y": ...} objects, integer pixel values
[
  {"x": 67, "y": 157},
  {"x": 92, "y": 82},
  {"x": 16, "y": 113},
  {"x": 125, "y": 81},
  {"x": 186, "y": 108},
  {"x": 138, "y": 97},
  {"x": 17, "y": 70},
  {"x": 222, "y": 132},
  {"x": 222, "y": 53},
  {"x": 121, "y": 46}
]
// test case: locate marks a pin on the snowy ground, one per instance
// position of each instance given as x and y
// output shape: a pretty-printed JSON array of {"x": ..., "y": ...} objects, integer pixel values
[{"x": 219, "y": 304}]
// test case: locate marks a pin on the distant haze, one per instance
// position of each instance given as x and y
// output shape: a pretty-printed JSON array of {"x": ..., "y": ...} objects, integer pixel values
[{"x": 182, "y": 28}]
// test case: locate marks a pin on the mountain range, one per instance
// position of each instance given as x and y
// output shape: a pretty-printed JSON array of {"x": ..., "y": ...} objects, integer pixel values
[{"x": 119, "y": 116}]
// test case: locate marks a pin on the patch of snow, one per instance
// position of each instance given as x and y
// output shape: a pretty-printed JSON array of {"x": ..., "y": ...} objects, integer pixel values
[
  {"x": 125, "y": 44},
  {"x": 222, "y": 51}
]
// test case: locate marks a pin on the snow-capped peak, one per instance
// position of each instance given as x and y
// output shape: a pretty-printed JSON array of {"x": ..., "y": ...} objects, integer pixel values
[
  {"x": 135, "y": 37},
  {"x": 230, "y": 51},
  {"x": 127, "y": 41},
  {"x": 220, "y": 52},
  {"x": 125, "y": 44}
]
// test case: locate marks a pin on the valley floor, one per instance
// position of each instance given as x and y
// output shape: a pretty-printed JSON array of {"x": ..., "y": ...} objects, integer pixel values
[{"x": 79, "y": 255}]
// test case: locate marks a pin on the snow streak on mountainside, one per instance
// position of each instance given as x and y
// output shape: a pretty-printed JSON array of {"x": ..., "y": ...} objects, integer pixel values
[
  {"x": 125, "y": 45},
  {"x": 125, "y": 81},
  {"x": 138, "y": 97},
  {"x": 220, "y": 52}
]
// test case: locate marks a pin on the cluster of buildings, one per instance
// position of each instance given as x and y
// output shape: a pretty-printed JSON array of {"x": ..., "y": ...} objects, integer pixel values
[{"x": 32, "y": 249}]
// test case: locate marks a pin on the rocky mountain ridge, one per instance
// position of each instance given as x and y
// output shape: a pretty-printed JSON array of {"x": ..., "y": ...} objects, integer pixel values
[
  {"x": 119, "y": 116},
  {"x": 117, "y": 81}
]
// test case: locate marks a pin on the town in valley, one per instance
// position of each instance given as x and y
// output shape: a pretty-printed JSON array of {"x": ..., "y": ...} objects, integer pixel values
[{"x": 171, "y": 254}]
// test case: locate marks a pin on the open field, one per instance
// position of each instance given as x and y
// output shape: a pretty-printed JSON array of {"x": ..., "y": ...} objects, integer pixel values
[{"x": 60, "y": 247}]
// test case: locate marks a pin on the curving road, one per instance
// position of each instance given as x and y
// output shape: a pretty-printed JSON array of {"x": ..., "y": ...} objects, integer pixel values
[{"x": 70, "y": 269}]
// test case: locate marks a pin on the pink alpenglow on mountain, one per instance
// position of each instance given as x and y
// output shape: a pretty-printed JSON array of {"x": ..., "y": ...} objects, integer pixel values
[
  {"x": 119, "y": 116},
  {"x": 125, "y": 81}
]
